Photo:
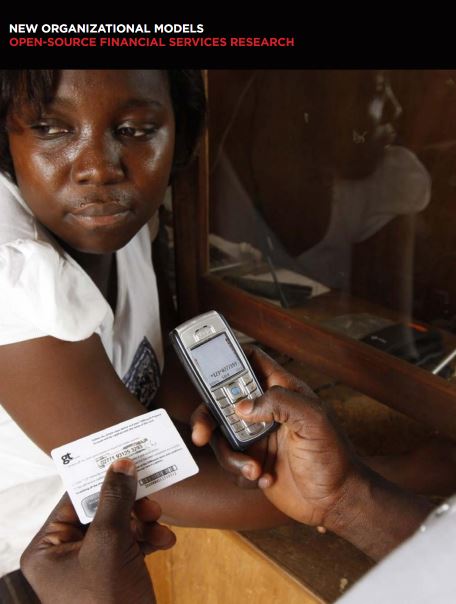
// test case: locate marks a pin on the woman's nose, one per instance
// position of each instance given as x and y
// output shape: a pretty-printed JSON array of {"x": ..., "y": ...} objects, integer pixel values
[{"x": 98, "y": 162}]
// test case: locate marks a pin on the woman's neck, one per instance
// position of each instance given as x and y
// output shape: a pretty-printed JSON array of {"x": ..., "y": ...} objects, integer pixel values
[{"x": 101, "y": 268}]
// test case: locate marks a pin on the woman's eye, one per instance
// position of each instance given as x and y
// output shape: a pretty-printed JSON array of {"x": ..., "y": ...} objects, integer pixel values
[
  {"x": 49, "y": 129},
  {"x": 136, "y": 131}
]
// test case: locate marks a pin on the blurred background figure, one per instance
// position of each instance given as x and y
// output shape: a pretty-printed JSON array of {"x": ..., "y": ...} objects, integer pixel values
[{"x": 304, "y": 167}]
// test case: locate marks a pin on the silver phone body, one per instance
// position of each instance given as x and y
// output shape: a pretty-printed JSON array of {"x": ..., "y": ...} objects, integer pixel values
[{"x": 222, "y": 374}]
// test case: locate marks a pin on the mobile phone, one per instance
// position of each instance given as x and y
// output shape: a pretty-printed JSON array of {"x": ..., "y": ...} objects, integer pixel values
[{"x": 219, "y": 369}]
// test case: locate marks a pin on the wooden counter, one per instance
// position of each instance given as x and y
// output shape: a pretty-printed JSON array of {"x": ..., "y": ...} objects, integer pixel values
[{"x": 292, "y": 565}]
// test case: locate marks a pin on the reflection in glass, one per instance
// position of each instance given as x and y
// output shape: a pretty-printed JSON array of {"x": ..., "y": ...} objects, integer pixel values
[{"x": 320, "y": 199}]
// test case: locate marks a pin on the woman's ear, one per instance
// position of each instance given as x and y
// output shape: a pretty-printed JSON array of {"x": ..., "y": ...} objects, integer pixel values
[{"x": 168, "y": 199}]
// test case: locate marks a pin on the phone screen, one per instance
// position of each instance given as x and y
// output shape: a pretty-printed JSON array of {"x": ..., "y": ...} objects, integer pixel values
[{"x": 217, "y": 360}]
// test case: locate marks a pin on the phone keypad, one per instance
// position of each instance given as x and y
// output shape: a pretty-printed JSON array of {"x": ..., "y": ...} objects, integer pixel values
[
  {"x": 246, "y": 379},
  {"x": 233, "y": 419},
  {"x": 250, "y": 388},
  {"x": 219, "y": 393},
  {"x": 254, "y": 428},
  {"x": 224, "y": 403},
  {"x": 239, "y": 427},
  {"x": 235, "y": 391},
  {"x": 227, "y": 396}
]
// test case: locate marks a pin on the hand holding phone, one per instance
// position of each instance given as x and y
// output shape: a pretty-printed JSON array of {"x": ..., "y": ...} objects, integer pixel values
[{"x": 221, "y": 373}]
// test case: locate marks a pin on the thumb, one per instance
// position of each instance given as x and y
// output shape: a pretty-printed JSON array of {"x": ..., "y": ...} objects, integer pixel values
[
  {"x": 117, "y": 496},
  {"x": 279, "y": 405}
]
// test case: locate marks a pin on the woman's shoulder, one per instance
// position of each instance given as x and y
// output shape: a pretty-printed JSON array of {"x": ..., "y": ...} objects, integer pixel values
[
  {"x": 24, "y": 244},
  {"x": 44, "y": 292},
  {"x": 17, "y": 221}
]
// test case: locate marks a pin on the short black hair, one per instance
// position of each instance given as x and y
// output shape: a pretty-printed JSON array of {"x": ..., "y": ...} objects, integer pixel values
[{"x": 37, "y": 87}]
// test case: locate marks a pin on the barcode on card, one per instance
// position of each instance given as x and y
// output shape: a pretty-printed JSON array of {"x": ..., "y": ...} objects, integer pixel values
[{"x": 157, "y": 476}]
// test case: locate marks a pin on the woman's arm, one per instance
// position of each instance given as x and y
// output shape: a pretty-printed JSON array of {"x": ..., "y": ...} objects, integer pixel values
[
  {"x": 59, "y": 391},
  {"x": 177, "y": 393}
]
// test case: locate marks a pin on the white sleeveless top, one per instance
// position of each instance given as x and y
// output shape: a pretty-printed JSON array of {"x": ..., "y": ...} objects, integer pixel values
[
  {"x": 399, "y": 185},
  {"x": 44, "y": 292}
]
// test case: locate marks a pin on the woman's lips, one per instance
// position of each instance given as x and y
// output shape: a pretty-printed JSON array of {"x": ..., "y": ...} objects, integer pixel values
[
  {"x": 102, "y": 219},
  {"x": 100, "y": 214}
]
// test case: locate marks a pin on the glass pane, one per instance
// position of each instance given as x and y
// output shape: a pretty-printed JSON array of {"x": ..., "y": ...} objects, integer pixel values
[{"x": 331, "y": 194}]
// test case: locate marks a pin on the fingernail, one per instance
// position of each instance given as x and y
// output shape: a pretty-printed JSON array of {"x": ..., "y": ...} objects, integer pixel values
[
  {"x": 264, "y": 482},
  {"x": 248, "y": 470},
  {"x": 124, "y": 466},
  {"x": 245, "y": 407},
  {"x": 196, "y": 438}
]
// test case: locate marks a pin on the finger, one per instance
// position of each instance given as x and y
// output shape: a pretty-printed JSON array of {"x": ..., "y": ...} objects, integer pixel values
[
  {"x": 203, "y": 425},
  {"x": 63, "y": 512},
  {"x": 147, "y": 510},
  {"x": 151, "y": 536},
  {"x": 266, "y": 480},
  {"x": 62, "y": 526},
  {"x": 268, "y": 476},
  {"x": 147, "y": 549},
  {"x": 239, "y": 464},
  {"x": 117, "y": 496},
  {"x": 158, "y": 536},
  {"x": 258, "y": 453},
  {"x": 63, "y": 534},
  {"x": 262, "y": 363},
  {"x": 234, "y": 461},
  {"x": 280, "y": 405}
]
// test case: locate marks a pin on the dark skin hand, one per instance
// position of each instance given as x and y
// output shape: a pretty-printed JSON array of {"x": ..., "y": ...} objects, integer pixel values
[
  {"x": 104, "y": 563},
  {"x": 427, "y": 470},
  {"x": 312, "y": 475},
  {"x": 253, "y": 463},
  {"x": 244, "y": 468}
]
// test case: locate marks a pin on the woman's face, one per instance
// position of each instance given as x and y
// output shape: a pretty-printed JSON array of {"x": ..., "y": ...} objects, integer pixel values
[
  {"x": 365, "y": 117},
  {"x": 94, "y": 165},
  {"x": 383, "y": 110}
]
